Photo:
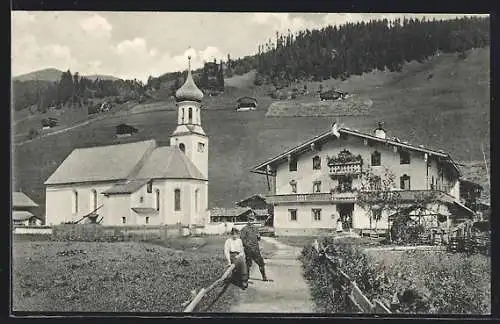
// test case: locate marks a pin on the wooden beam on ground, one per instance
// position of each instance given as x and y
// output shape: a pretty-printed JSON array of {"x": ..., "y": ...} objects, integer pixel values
[
  {"x": 195, "y": 301},
  {"x": 204, "y": 291},
  {"x": 221, "y": 279},
  {"x": 361, "y": 299}
]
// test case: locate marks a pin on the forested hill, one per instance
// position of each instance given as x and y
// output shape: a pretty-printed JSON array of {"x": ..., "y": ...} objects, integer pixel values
[{"x": 355, "y": 48}]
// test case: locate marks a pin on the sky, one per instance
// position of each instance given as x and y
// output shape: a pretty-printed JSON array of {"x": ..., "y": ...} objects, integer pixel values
[{"x": 139, "y": 44}]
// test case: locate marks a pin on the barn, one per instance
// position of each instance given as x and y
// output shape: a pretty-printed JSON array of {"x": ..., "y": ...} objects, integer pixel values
[
  {"x": 123, "y": 130},
  {"x": 23, "y": 210},
  {"x": 246, "y": 103}
]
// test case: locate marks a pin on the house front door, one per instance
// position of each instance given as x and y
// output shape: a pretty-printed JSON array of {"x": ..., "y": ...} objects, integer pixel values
[{"x": 345, "y": 212}]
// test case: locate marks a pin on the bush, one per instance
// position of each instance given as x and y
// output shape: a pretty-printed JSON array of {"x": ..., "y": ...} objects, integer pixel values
[
  {"x": 419, "y": 282},
  {"x": 32, "y": 133}
]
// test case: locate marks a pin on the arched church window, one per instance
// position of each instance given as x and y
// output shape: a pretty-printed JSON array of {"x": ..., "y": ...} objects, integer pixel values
[
  {"x": 93, "y": 200},
  {"x": 177, "y": 199},
  {"x": 196, "y": 192},
  {"x": 75, "y": 202},
  {"x": 182, "y": 147},
  {"x": 182, "y": 115},
  {"x": 157, "y": 200},
  {"x": 190, "y": 115}
]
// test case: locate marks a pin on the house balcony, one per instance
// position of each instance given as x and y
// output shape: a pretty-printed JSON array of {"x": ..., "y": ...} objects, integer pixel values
[
  {"x": 345, "y": 169},
  {"x": 345, "y": 164},
  {"x": 347, "y": 197}
]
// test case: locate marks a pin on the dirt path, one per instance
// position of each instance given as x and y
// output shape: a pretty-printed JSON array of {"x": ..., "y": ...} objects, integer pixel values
[{"x": 287, "y": 293}]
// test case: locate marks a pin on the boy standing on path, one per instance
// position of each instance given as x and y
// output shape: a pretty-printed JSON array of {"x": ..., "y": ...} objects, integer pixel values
[
  {"x": 251, "y": 237},
  {"x": 234, "y": 253}
]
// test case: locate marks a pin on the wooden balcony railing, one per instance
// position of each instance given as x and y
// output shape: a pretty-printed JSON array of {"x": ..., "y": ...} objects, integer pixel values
[{"x": 312, "y": 197}]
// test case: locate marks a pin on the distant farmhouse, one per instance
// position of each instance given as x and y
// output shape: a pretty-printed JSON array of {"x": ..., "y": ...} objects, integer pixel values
[
  {"x": 246, "y": 103},
  {"x": 255, "y": 202},
  {"x": 138, "y": 183},
  {"x": 318, "y": 184},
  {"x": 22, "y": 210},
  {"x": 333, "y": 95},
  {"x": 237, "y": 214},
  {"x": 124, "y": 130}
]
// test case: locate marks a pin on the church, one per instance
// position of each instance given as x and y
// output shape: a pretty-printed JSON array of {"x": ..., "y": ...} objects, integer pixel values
[{"x": 138, "y": 183}]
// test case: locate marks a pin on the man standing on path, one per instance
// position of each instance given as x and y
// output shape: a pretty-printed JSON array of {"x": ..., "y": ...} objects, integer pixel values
[{"x": 251, "y": 237}]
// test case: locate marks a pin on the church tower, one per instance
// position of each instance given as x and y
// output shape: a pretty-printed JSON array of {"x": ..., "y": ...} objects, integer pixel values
[{"x": 189, "y": 136}]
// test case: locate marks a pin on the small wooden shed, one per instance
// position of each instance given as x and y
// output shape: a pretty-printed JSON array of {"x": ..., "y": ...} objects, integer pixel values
[{"x": 125, "y": 130}]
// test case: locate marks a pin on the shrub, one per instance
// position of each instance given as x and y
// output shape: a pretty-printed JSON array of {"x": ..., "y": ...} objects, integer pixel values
[
  {"x": 32, "y": 133},
  {"x": 418, "y": 282}
]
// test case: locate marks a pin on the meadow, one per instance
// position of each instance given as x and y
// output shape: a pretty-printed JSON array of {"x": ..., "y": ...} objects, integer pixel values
[
  {"x": 51, "y": 276},
  {"x": 409, "y": 282}
]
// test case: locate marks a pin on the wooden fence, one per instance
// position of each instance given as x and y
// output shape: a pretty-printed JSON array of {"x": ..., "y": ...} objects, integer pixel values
[
  {"x": 359, "y": 302},
  {"x": 95, "y": 232},
  {"x": 203, "y": 291}
]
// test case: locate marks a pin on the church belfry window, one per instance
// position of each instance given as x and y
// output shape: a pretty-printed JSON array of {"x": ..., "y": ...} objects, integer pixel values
[
  {"x": 190, "y": 115},
  {"x": 150, "y": 186}
]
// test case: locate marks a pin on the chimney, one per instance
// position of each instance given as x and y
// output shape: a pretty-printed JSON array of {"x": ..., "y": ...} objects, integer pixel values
[{"x": 380, "y": 131}]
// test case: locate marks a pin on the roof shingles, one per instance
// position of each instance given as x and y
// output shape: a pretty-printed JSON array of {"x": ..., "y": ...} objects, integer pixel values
[
  {"x": 19, "y": 199},
  {"x": 101, "y": 163},
  {"x": 131, "y": 163}
]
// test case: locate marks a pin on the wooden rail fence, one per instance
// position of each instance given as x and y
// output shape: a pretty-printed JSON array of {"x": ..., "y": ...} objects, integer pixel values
[
  {"x": 357, "y": 298},
  {"x": 203, "y": 291}
]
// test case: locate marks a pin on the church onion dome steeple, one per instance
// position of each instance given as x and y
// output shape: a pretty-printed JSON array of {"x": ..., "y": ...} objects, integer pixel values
[{"x": 189, "y": 91}]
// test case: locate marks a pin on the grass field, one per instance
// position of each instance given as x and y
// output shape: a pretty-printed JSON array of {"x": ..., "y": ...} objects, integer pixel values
[
  {"x": 449, "y": 111},
  {"x": 455, "y": 283},
  {"x": 116, "y": 277},
  {"x": 420, "y": 281}
]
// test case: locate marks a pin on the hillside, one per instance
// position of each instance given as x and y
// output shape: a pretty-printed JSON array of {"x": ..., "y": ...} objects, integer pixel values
[
  {"x": 54, "y": 75},
  {"x": 449, "y": 110},
  {"x": 49, "y": 74}
]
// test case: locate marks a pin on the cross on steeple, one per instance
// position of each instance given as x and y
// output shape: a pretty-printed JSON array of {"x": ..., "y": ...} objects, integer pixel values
[{"x": 189, "y": 62}]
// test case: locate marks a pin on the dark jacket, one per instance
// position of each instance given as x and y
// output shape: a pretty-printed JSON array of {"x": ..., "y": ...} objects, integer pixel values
[{"x": 250, "y": 237}]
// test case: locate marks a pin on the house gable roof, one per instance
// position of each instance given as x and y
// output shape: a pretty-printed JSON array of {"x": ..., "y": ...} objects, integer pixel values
[
  {"x": 21, "y": 215},
  {"x": 168, "y": 162},
  {"x": 19, "y": 199},
  {"x": 253, "y": 197},
  {"x": 101, "y": 163},
  {"x": 326, "y": 136},
  {"x": 231, "y": 212}
]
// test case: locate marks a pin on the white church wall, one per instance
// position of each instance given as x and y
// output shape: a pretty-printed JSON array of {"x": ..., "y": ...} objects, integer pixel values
[
  {"x": 59, "y": 201},
  {"x": 115, "y": 208}
]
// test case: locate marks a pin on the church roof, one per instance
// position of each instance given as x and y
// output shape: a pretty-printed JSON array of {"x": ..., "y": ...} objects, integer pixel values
[
  {"x": 189, "y": 91},
  {"x": 20, "y": 199},
  {"x": 168, "y": 162},
  {"x": 101, "y": 163}
]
